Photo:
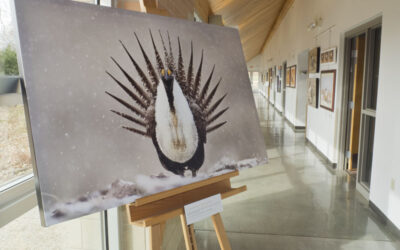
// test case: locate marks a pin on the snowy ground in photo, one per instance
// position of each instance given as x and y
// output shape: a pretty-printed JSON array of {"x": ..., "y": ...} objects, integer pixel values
[{"x": 122, "y": 192}]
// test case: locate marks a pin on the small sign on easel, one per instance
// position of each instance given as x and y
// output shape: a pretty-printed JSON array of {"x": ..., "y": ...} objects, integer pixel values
[{"x": 202, "y": 209}]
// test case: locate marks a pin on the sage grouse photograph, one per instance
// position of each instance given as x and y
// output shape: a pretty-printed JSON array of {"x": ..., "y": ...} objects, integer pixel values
[
  {"x": 173, "y": 108},
  {"x": 123, "y": 105}
]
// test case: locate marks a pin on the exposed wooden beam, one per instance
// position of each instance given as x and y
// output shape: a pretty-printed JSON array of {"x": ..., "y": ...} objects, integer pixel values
[{"x": 278, "y": 21}]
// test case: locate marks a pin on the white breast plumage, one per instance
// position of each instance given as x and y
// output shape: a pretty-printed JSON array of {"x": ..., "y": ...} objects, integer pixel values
[{"x": 176, "y": 133}]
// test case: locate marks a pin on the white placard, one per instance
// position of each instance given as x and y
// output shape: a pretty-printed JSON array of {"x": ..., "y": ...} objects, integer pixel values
[
  {"x": 202, "y": 209},
  {"x": 314, "y": 75}
]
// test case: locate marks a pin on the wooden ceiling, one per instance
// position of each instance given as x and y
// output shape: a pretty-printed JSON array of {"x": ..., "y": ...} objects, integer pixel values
[{"x": 255, "y": 19}]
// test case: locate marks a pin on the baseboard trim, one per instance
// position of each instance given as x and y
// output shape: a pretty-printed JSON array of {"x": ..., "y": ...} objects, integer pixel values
[
  {"x": 326, "y": 159},
  {"x": 385, "y": 220}
]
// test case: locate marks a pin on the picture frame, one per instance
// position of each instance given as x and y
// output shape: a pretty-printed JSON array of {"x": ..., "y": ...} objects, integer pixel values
[
  {"x": 327, "y": 90},
  {"x": 293, "y": 76},
  {"x": 313, "y": 92},
  {"x": 287, "y": 80},
  {"x": 313, "y": 60},
  {"x": 328, "y": 57},
  {"x": 270, "y": 75}
]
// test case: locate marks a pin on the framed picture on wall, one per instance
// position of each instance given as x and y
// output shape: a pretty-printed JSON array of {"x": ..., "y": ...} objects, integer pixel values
[
  {"x": 328, "y": 57},
  {"x": 270, "y": 75},
  {"x": 287, "y": 77},
  {"x": 279, "y": 84},
  {"x": 293, "y": 76},
  {"x": 313, "y": 60},
  {"x": 327, "y": 89},
  {"x": 312, "y": 92}
]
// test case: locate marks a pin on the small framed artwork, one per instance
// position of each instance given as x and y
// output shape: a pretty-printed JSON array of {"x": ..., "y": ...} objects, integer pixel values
[
  {"x": 327, "y": 89},
  {"x": 313, "y": 60},
  {"x": 293, "y": 76},
  {"x": 287, "y": 77},
  {"x": 328, "y": 57},
  {"x": 279, "y": 85},
  {"x": 270, "y": 74},
  {"x": 312, "y": 92}
]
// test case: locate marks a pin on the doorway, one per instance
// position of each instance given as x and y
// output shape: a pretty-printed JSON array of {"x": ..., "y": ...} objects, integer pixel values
[
  {"x": 355, "y": 86},
  {"x": 362, "y": 55}
]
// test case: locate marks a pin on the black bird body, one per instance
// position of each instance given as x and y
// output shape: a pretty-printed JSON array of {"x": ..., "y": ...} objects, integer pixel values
[{"x": 172, "y": 108}]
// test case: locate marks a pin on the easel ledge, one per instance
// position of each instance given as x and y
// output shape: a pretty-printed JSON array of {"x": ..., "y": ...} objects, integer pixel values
[{"x": 153, "y": 211}]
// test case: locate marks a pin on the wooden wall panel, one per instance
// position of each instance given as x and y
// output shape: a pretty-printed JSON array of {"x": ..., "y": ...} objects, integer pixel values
[{"x": 253, "y": 18}]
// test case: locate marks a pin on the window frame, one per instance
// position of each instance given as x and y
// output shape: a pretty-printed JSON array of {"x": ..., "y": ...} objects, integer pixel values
[{"x": 16, "y": 198}]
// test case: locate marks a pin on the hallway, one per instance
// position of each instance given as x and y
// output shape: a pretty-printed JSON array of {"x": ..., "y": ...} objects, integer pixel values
[{"x": 296, "y": 201}]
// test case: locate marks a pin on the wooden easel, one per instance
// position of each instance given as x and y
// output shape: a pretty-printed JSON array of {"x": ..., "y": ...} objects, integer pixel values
[{"x": 153, "y": 211}]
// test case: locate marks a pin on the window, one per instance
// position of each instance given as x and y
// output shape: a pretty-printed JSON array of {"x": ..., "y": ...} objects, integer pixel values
[
  {"x": 17, "y": 189},
  {"x": 25, "y": 232},
  {"x": 15, "y": 158},
  {"x": 19, "y": 216}
]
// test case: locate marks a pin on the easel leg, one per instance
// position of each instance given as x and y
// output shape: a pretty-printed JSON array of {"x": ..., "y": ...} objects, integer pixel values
[
  {"x": 192, "y": 237},
  {"x": 188, "y": 234},
  {"x": 220, "y": 231},
  {"x": 156, "y": 235}
]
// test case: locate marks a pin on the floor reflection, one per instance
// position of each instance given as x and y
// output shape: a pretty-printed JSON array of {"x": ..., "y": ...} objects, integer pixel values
[{"x": 295, "y": 202}]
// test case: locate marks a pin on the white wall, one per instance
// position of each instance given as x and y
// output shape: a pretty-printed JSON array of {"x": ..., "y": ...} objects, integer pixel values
[
  {"x": 290, "y": 104},
  {"x": 301, "y": 88},
  {"x": 385, "y": 185},
  {"x": 279, "y": 98}
]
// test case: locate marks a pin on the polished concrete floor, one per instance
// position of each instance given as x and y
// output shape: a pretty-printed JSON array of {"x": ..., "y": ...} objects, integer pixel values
[{"x": 296, "y": 201}]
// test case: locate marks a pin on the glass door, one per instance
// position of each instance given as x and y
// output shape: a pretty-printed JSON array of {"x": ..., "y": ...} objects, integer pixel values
[{"x": 368, "y": 112}]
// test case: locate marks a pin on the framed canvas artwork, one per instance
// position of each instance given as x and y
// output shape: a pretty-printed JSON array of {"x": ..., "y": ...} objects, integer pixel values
[
  {"x": 312, "y": 92},
  {"x": 327, "y": 89},
  {"x": 270, "y": 74},
  {"x": 313, "y": 60},
  {"x": 116, "y": 114},
  {"x": 293, "y": 76},
  {"x": 328, "y": 57}
]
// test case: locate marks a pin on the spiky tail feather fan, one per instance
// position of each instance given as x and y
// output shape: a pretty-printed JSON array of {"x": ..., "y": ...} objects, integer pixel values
[{"x": 144, "y": 95}]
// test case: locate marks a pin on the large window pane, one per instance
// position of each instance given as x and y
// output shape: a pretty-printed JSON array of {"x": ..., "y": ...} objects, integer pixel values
[
  {"x": 373, "y": 68},
  {"x": 368, "y": 136},
  {"x": 15, "y": 159},
  {"x": 26, "y": 232}
]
